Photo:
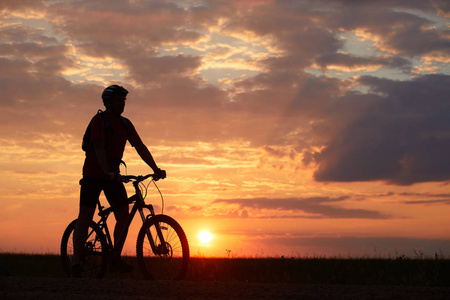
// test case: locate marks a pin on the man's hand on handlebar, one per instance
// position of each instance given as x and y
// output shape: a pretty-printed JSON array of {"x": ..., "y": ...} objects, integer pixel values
[
  {"x": 116, "y": 177},
  {"x": 159, "y": 174}
]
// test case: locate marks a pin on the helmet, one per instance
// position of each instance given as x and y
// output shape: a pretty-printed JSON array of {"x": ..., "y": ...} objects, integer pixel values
[{"x": 113, "y": 90}]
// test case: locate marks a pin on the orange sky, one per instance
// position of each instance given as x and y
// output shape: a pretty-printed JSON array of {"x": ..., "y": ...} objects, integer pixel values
[{"x": 295, "y": 128}]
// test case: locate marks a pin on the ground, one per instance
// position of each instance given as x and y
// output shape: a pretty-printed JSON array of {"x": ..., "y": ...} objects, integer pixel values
[{"x": 65, "y": 288}]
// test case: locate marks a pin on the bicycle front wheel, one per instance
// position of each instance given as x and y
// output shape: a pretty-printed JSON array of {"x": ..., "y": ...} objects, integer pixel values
[
  {"x": 94, "y": 255},
  {"x": 163, "y": 255}
]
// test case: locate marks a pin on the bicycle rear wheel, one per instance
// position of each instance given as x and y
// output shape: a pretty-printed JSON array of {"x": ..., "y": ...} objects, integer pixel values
[
  {"x": 169, "y": 260},
  {"x": 94, "y": 252}
]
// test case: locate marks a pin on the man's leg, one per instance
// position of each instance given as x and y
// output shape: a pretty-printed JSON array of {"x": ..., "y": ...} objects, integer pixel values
[
  {"x": 117, "y": 197},
  {"x": 89, "y": 193},
  {"x": 80, "y": 232},
  {"x": 120, "y": 230}
]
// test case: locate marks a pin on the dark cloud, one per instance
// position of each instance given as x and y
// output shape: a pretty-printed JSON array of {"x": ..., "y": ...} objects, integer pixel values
[
  {"x": 402, "y": 139},
  {"x": 411, "y": 35},
  {"x": 11, "y": 5},
  {"x": 320, "y": 207},
  {"x": 36, "y": 100},
  {"x": 42, "y": 54},
  {"x": 160, "y": 69},
  {"x": 280, "y": 153},
  {"x": 121, "y": 29},
  {"x": 352, "y": 62},
  {"x": 295, "y": 31},
  {"x": 428, "y": 202},
  {"x": 425, "y": 198}
]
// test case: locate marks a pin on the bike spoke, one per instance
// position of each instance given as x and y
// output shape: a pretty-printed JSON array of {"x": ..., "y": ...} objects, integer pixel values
[
  {"x": 94, "y": 252},
  {"x": 167, "y": 260}
]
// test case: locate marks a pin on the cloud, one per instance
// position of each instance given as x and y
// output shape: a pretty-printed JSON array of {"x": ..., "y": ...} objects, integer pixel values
[
  {"x": 442, "y": 201},
  {"x": 410, "y": 35},
  {"x": 12, "y": 5},
  {"x": 312, "y": 207},
  {"x": 426, "y": 198},
  {"x": 354, "y": 129},
  {"x": 159, "y": 69},
  {"x": 352, "y": 63},
  {"x": 367, "y": 246},
  {"x": 402, "y": 139}
]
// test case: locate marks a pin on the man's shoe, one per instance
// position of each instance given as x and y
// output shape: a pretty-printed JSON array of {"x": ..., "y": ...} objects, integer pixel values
[
  {"x": 77, "y": 271},
  {"x": 121, "y": 266}
]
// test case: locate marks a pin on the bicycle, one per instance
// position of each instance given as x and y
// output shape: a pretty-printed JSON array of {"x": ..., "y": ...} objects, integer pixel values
[{"x": 162, "y": 247}]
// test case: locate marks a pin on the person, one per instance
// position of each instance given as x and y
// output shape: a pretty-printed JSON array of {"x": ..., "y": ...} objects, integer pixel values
[{"x": 109, "y": 132}]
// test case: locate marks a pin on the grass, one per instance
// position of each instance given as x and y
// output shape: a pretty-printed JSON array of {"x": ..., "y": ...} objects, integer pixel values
[
  {"x": 325, "y": 270},
  {"x": 367, "y": 271},
  {"x": 30, "y": 265}
]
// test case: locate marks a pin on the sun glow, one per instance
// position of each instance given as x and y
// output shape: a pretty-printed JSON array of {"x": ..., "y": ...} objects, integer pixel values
[{"x": 205, "y": 237}]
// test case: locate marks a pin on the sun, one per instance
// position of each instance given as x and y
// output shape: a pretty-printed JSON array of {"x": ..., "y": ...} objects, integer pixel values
[{"x": 205, "y": 237}]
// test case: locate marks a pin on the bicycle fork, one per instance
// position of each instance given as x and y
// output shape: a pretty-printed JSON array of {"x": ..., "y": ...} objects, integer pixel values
[{"x": 157, "y": 249}]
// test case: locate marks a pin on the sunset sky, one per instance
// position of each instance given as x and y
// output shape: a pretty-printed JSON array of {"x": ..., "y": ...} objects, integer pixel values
[{"x": 295, "y": 128}]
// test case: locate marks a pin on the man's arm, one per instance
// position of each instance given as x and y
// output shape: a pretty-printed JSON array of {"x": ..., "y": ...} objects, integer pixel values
[
  {"x": 146, "y": 156},
  {"x": 143, "y": 151}
]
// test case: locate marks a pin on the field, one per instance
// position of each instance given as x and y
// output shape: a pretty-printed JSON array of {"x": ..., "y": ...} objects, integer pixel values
[
  {"x": 417, "y": 272},
  {"x": 22, "y": 275}
]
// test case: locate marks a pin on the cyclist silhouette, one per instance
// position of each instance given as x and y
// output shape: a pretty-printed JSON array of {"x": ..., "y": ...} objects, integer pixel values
[{"x": 104, "y": 144}]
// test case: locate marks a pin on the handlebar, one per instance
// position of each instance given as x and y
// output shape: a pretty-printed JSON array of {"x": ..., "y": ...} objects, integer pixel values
[{"x": 139, "y": 178}]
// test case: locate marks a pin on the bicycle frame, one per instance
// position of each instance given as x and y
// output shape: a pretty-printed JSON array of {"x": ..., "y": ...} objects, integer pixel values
[
  {"x": 139, "y": 205},
  {"x": 162, "y": 248}
]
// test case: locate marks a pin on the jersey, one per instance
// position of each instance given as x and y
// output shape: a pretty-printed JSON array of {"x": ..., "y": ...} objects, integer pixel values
[
  {"x": 86, "y": 145},
  {"x": 114, "y": 138}
]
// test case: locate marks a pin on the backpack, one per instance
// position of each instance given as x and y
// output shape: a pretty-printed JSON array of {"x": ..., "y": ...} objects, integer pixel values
[{"x": 86, "y": 145}]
